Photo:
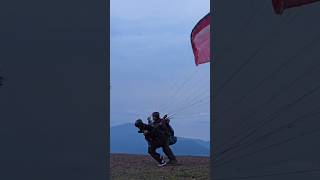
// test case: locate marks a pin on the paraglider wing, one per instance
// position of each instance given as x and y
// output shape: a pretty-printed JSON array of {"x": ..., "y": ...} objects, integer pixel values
[
  {"x": 280, "y": 5},
  {"x": 200, "y": 40}
]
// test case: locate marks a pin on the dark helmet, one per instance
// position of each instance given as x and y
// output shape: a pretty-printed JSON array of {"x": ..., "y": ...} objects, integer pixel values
[
  {"x": 138, "y": 123},
  {"x": 156, "y": 115}
]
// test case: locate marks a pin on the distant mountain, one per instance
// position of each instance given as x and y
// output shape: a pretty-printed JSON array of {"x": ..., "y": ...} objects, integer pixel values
[{"x": 126, "y": 139}]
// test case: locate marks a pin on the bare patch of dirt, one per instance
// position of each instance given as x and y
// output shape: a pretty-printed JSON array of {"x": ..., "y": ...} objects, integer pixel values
[{"x": 143, "y": 167}]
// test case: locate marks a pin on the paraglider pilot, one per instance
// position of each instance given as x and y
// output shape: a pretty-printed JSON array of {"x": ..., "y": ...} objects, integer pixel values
[{"x": 157, "y": 133}]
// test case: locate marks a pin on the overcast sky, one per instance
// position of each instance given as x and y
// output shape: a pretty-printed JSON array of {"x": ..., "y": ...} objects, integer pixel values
[{"x": 152, "y": 64}]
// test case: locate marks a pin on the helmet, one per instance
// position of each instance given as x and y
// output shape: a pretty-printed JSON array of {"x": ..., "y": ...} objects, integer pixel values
[
  {"x": 138, "y": 123},
  {"x": 156, "y": 115}
]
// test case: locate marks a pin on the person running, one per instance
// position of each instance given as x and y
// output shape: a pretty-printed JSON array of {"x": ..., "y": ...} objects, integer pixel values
[
  {"x": 162, "y": 124},
  {"x": 156, "y": 137}
]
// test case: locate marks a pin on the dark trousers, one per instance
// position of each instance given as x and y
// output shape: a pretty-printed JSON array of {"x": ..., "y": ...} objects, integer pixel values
[
  {"x": 166, "y": 149},
  {"x": 152, "y": 151}
]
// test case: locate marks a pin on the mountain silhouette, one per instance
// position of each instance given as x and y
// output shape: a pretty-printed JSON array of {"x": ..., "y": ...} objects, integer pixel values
[{"x": 126, "y": 139}]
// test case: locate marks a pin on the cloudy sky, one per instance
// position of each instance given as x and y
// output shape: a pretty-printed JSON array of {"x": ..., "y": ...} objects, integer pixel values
[{"x": 152, "y": 64}]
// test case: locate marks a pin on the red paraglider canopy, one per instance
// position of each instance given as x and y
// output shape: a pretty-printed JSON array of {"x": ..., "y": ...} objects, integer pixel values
[
  {"x": 280, "y": 5},
  {"x": 200, "y": 40}
]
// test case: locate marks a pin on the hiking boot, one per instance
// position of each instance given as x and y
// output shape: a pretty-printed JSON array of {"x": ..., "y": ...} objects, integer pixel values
[{"x": 162, "y": 162}]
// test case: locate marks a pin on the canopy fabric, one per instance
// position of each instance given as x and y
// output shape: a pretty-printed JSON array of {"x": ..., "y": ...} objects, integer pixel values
[{"x": 200, "y": 40}]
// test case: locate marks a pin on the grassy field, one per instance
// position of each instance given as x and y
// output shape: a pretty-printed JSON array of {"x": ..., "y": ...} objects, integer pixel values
[{"x": 143, "y": 167}]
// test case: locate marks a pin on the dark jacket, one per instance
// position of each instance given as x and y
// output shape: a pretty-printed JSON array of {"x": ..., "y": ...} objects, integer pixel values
[
  {"x": 154, "y": 135},
  {"x": 158, "y": 133},
  {"x": 163, "y": 126}
]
